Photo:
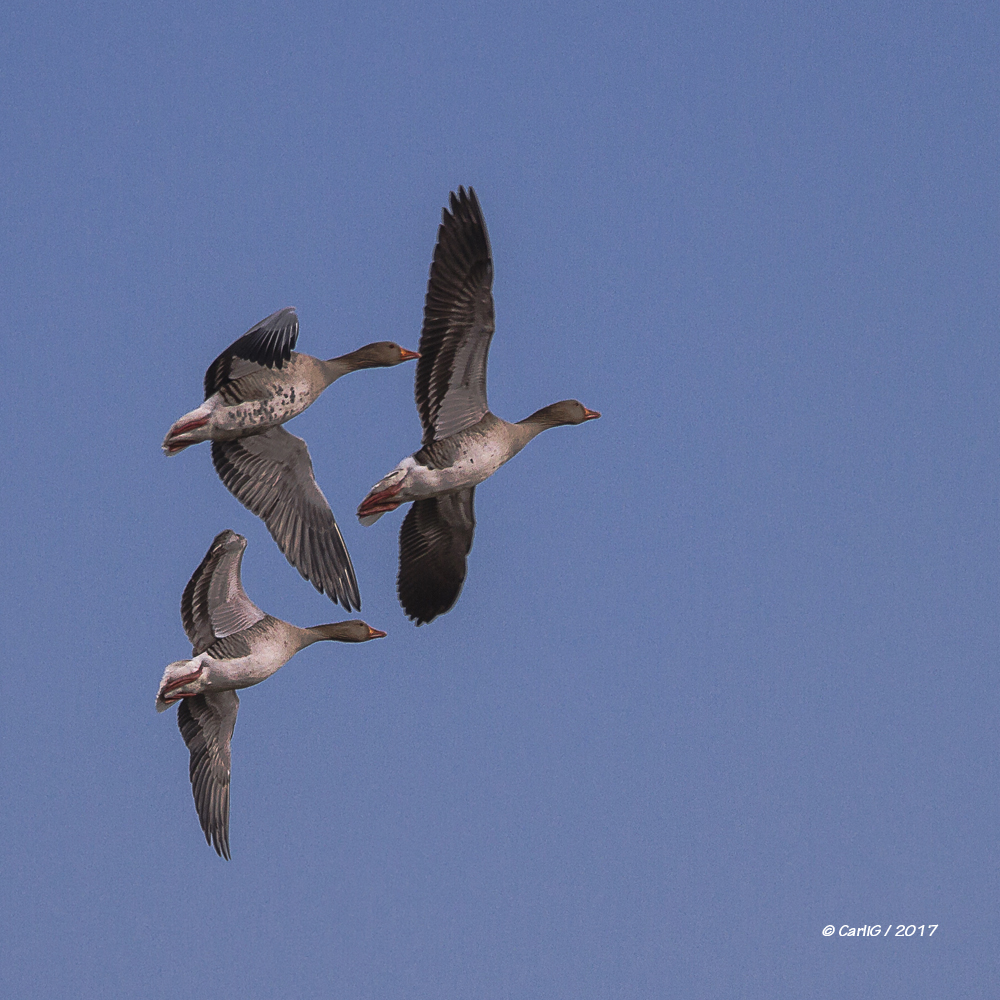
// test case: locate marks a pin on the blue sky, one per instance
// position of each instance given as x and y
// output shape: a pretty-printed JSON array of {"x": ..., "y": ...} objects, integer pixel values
[{"x": 724, "y": 668}]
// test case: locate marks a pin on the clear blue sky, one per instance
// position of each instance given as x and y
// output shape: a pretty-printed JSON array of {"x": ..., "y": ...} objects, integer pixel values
[{"x": 725, "y": 667}]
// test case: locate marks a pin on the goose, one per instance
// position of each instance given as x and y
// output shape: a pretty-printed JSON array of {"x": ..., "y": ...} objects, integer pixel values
[
  {"x": 463, "y": 442},
  {"x": 251, "y": 389},
  {"x": 235, "y": 645}
]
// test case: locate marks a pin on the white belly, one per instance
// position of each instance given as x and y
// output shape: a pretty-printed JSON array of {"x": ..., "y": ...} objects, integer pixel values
[
  {"x": 245, "y": 671},
  {"x": 236, "y": 420},
  {"x": 469, "y": 469}
]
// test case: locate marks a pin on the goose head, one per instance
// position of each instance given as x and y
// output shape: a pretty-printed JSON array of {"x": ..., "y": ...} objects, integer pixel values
[
  {"x": 566, "y": 411},
  {"x": 381, "y": 354},
  {"x": 350, "y": 631}
]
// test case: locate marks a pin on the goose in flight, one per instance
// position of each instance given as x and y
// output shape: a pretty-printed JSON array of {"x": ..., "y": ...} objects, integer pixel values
[
  {"x": 235, "y": 645},
  {"x": 463, "y": 442},
  {"x": 251, "y": 389}
]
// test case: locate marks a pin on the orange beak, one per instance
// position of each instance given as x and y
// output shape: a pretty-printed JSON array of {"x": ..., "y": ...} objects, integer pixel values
[
  {"x": 590, "y": 414},
  {"x": 374, "y": 633},
  {"x": 408, "y": 355}
]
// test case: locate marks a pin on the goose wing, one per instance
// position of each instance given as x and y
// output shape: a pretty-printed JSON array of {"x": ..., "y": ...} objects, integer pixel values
[
  {"x": 434, "y": 541},
  {"x": 214, "y": 604},
  {"x": 458, "y": 323},
  {"x": 206, "y": 722},
  {"x": 271, "y": 474},
  {"x": 269, "y": 344}
]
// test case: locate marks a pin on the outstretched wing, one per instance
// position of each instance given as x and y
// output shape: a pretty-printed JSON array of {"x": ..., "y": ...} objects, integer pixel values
[
  {"x": 269, "y": 344},
  {"x": 214, "y": 603},
  {"x": 458, "y": 323},
  {"x": 271, "y": 474},
  {"x": 434, "y": 541},
  {"x": 206, "y": 722}
]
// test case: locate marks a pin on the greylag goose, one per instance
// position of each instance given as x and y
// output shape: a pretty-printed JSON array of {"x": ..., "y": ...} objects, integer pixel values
[
  {"x": 251, "y": 389},
  {"x": 463, "y": 443},
  {"x": 235, "y": 645}
]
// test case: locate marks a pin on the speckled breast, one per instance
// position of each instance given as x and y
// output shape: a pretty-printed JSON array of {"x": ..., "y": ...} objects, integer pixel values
[{"x": 266, "y": 399}]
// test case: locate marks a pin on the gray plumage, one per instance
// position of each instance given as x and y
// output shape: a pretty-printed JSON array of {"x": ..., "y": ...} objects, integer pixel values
[
  {"x": 450, "y": 385},
  {"x": 207, "y": 722},
  {"x": 463, "y": 442},
  {"x": 258, "y": 383},
  {"x": 234, "y": 645},
  {"x": 271, "y": 474},
  {"x": 268, "y": 344},
  {"x": 434, "y": 542}
]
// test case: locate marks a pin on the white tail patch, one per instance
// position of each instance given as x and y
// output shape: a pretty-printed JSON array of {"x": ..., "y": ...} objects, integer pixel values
[
  {"x": 178, "y": 439},
  {"x": 394, "y": 477},
  {"x": 173, "y": 671}
]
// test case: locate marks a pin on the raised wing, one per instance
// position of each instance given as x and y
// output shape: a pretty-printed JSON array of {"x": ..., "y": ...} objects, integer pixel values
[
  {"x": 206, "y": 722},
  {"x": 434, "y": 541},
  {"x": 214, "y": 603},
  {"x": 271, "y": 474},
  {"x": 458, "y": 323},
  {"x": 269, "y": 344}
]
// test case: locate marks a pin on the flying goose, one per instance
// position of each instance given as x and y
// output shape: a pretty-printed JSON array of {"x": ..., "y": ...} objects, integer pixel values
[
  {"x": 251, "y": 389},
  {"x": 463, "y": 443},
  {"x": 235, "y": 645}
]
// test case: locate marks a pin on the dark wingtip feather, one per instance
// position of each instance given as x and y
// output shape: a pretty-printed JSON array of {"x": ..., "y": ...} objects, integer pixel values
[
  {"x": 434, "y": 542},
  {"x": 458, "y": 303},
  {"x": 269, "y": 343}
]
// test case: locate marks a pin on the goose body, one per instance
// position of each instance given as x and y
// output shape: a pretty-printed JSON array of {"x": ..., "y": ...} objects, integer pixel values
[
  {"x": 458, "y": 462},
  {"x": 257, "y": 401},
  {"x": 236, "y": 661},
  {"x": 235, "y": 645},
  {"x": 463, "y": 442},
  {"x": 257, "y": 384}
]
